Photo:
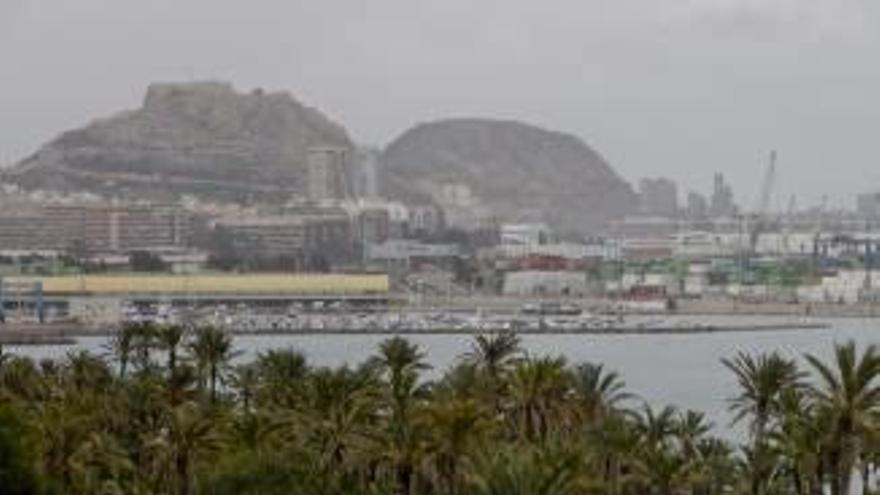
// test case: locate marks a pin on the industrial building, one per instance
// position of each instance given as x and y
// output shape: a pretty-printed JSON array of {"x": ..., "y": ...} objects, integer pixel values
[{"x": 658, "y": 197}]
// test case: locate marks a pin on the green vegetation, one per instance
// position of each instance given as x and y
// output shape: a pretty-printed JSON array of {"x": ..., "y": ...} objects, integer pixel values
[
  {"x": 167, "y": 412},
  {"x": 145, "y": 261}
]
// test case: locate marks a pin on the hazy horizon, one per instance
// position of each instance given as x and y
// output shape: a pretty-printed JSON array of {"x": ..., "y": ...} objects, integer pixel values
[{"x": 677, "y": 91}]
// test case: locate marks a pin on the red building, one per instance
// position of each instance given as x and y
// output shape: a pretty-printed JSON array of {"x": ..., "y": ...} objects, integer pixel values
[{"x": 542, "y": 262}]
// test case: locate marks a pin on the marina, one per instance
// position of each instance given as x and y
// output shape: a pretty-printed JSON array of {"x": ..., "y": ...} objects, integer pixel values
[
  {"x": 334, "y": 320},
  {"x": 529, "y": 319}
]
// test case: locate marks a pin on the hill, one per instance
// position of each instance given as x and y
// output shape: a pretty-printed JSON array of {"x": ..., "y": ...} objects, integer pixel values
[
  {"x": 517, "y": 171},
  {"x": 204, "y": 139}
]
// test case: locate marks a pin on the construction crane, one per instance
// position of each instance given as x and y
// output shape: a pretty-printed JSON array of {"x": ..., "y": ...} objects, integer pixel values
[
  {"x": 760, "y": 221},
  {"x": 788, "y": 225}
]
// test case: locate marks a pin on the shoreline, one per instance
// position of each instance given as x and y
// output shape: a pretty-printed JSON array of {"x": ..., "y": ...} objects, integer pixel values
[
  {"x": 60, "y": 336},
  {"x": 736, "y": 308}
]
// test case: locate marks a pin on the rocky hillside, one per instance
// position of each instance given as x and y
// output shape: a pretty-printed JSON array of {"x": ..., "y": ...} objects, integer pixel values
[
  {"x": 519, "y": 172},
  {"x": 204, "y": 139}
]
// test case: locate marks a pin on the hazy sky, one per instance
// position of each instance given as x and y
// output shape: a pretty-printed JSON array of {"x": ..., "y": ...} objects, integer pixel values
[{"x": 679, "y": 88}]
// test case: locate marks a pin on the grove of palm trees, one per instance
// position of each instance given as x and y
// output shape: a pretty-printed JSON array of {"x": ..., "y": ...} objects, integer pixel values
[{"x": 168, "y": 410}]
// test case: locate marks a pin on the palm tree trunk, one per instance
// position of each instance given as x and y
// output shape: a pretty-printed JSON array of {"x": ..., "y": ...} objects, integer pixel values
[
  {"x": 798, "y": 481},
  {"x": 818, "y": 480},
  {"x": 213, "y": 384},
  {"x": 834, "y": 461},
  {"x": 404, "y": 478},
  {"x": 847, "y": 463},
  {"x": 172, "y": 361},
  {"x": 614, "y": 478},
  {"x": 758, "y": 452},
  {"x": 123, "y": 365},
  {"x": 845, "y": 478},
  {"x": 182, "y": 468}
]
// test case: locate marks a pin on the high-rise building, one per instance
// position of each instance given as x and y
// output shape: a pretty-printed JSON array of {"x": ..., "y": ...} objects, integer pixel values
[
  {"x": 658, "y": 197},
  {"x": 328, "y": 174},
  {"x": 722, "y": 204},
  {"x": 868, "y": 206},
  {"x": 94, "y": 228},
  {"x": 365, "y": 174},
  {"x": 697, "y": 207}
]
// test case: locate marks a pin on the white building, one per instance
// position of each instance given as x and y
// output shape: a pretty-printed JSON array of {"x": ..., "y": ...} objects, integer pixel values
[
  {"x": 462, "y": 209},
  {"x": 846, "y": 286},
  {"x": 526, "y": 234},
  {"x": 541, "y": 283},
  {"x": 406, "y": 250}
]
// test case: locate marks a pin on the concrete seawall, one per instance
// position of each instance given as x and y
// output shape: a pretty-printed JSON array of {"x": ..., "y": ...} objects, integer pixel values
[
  {"x": 623, "y": 330},
  {"x": 735, "y": 308}
]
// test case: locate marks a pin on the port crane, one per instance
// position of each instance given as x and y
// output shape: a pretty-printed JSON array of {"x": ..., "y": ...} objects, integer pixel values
[
  {"x": 753, "y": 224},
  {"x": 760, "y": 221}
]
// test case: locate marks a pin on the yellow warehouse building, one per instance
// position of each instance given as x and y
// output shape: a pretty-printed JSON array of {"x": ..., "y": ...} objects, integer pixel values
[{"x": 212, "y": 284}]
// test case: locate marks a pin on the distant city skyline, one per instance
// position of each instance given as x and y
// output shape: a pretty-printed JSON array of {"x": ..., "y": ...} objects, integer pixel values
[{"x": 681, "y": 91}]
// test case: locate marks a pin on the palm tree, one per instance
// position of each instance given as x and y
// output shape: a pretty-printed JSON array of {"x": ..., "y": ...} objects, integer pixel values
[
  {"x": 189, "y": 436},
  {"x": 538, "y": 387},
  {"x": 618, "y": 443},
  {"x": 169, "y": 338},
  {"x": 338, "y": 417},
  {"x": 761, "y": 381},
  {"x": 121, "y": 346},
  {"x": 4, "y": 356},
  {"x": 101, "y": 465},
  {"x": 720, "y": 474},
  {"x": 849, "y": 396},
  {"x": 762, "y": 469},
  {"x": 869, "y": 458},
  {"x": 180, "y": 386},
  {"x": 692, "y": 428},
  {"x": 456, "y": 428},
  {"x": 494, "y": 353},
  {"x": 143, "y": 341},
  {"x": 598, "y": 393},
  {"x": 282, "y": 373},
  {"x": 657, "y": 427},
  {"x": 798, "y": 440},
  {"x": 463, "y": 381},
  {"x": 18, "y": 462},
  {"x": 212, "y": 351},
  {"x": 245, "y": 382},
  {"x": 529, "y": 471},
  {"x": 86, "y": 373},
  {"x": 667, "y": 459},
  {"x": 401, "y": 364},
  {"x": 666, "y": 471},
  {"x": 21, "y": 379},
  {"x": 63, "y": 427},
  {"x": 492, "y": 356}
]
